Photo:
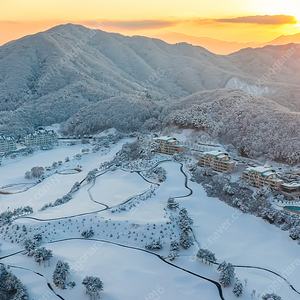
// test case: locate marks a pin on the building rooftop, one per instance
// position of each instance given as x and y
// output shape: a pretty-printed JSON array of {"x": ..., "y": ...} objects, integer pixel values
[
  {"x": 164, "y": 138},
  {"x": 276, "y": 179},
  {"x": 291, "y": 185},
  {"x": 42, "y": 132},
  {"x": 261, "y": 169},
  {"x": 167, "y": 139},
  {"x": 217, "y": 154},
  {"x": 6, "y": 138}
]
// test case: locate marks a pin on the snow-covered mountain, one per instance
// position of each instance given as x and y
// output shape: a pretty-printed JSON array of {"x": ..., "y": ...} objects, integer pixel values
[
  {"x": 48, "y": 77},
  {"x": 256, "y": 126}
]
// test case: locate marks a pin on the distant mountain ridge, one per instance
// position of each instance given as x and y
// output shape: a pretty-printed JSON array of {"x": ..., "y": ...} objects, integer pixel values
[
  {"x": 213, "y": 45},
  {"x": 51, "y": 76},
  {"x": 224, "y": 47}
]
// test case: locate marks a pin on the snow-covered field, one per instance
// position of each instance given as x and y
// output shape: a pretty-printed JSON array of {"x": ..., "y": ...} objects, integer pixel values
[
  {"x": 123, "y": 185},
  {"x": 129, "y": 273}
]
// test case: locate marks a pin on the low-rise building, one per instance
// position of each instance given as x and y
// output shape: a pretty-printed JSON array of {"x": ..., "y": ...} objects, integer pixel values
[
  {"x": 290, "y": 189},
  {"x": 7, "y": 144},
  {"x": 261, "y": 176},
  {"x": 167, "y": 145},
  {"x": 217, "y": 161},
  {"x": 41, "y": 137}
]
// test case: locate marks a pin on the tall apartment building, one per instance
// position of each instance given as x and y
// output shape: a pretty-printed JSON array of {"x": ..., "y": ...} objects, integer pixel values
[
  {"x": 217, "y": 161},
  {"x": 168, "y": 145},
  {"x": 41, "y": 137},
  {"x": 7, "y": 144},
  {"x": 261, "y": 176}
]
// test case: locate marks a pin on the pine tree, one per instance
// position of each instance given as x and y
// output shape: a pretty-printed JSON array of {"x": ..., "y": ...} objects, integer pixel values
[
  {"x": 93, "y": 286},
  {"x": 271, "y": 297},
  {"x": 48, "y": 254},
  {"x": 60, "y": 274},
  {"x": 11, "y": 287},
  {"x": 39, "y": 254},
  {"x": 238, "y": 289},
  {"x": 206, "y": 255},
  {"x": 87, "y": 233},
  {"x": 226, "y": 273},
  {"x": 174, "y": 246},
  {"x": 29, "y": 246},
  {"x": 172, "y": 204},
  {"x": 186, "y": 240}
]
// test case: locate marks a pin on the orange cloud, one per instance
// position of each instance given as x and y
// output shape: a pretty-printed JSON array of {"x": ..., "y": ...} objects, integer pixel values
[
  {"x": 240, "y": 29},
  {"x": 133, "y": 25},
  {"x": 262, "y": 20}
]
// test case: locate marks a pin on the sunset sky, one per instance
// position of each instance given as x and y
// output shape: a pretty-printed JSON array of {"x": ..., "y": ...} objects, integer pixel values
[{"x": 230, "y": 20}]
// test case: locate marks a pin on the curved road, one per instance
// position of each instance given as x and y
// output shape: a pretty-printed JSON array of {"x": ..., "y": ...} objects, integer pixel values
[
  {"x": 147, "y": 251},
  {"x": 37, "y": 273}
]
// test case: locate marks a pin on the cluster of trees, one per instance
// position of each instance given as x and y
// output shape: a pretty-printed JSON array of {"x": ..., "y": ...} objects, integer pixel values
[
  {"x": 206, "y": 256},
  {"x": 157, "y": 173},
  {"x": 77, "y": 156},
  {"x": 227, "y": 274},
  {"x": 93, "y": 285},
  {"x": 238, "y": 288},
  {"x": 239, "y": 195},
  {"x": 160, "y": 173},
  {"x": 66, "y": 198},
  {"x": 126, "y": 114},
  {"x": 234, "y": 116},
  {"x": 227, "y": 278},
  {"x": 35, "y": 172},
  {"x": 271, "y": 297},
  {"x": 60, "y": 274},
  {"x": 75, "y": 187},
  {"x": 42, "y": 254},
  {"x": 154, "y": 245},
  {"x": 8, "y": 216},
  {"x": 135, "y": 200},
  {"x": 185, "y": 222},
  {"x": 91, "y": 175},
  {"x": 11, "y": 288},
  {"x": 29, "y": 246},
  {"x": 88, "y": 233},
  {"x": 60, "y": 201},
  {"x": 174, "y": 248},
  {"x": 132, "y": 151},
  {"x": 172, "y": 204}
]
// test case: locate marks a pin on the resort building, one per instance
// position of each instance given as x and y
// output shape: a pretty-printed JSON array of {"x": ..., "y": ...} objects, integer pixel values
[
  {"x": 7, "y": 144},
  {"x": 290, "y": 189},
  {"x": 41, "y": 137},
  {"x": 261, "y": 176},
  {"x": 167, "y": 145},
  {"x": 217, "y": 161}
]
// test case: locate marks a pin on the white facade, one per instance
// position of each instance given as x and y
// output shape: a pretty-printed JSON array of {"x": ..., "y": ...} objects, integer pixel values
[
  {"x": 7, "y": 144},
  {"x": 41, "y": 138}
]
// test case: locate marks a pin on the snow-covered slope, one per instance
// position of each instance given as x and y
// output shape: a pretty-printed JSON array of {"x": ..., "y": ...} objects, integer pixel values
[
  {"x": 46, "y": 78},
  {"x": 116, "y": 252}
]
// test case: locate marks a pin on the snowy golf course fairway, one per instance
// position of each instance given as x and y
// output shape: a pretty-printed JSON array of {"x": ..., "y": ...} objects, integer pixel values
[{"x": 124, "y": 222}]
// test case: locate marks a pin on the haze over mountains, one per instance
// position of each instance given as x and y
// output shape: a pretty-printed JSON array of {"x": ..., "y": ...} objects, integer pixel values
[
  {"x": 95, "y": 80},
  {"x": 224, "y": 47}
]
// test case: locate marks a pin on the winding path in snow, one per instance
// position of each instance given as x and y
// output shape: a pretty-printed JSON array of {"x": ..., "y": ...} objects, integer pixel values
[
  {"x": 147, "y": 251},
  {"x": 36, "y": 273},
  {"x": 217, "y": 284}
]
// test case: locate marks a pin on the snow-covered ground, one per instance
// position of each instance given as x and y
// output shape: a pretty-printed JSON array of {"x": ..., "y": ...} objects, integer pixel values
[
  {"x": 115, "y": 186},
  {"x": 130, "y": 273}
]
